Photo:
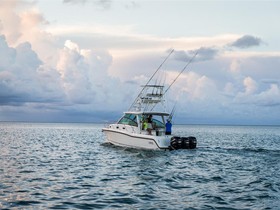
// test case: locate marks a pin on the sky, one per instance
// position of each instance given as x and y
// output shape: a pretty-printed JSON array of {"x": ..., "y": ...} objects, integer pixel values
[{"x": 85, "y": 60}]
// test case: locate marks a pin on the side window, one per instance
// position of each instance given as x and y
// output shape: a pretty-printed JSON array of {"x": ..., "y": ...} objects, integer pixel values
[
  {"x": 158, "y": 123},
  {"x": 129, "y": 119}
]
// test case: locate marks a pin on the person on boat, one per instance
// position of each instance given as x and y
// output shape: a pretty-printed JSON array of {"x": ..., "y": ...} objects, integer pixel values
[
  {"x": 168, "y": 127},
  {"x": 150, "y": 124},
  {"x": 145, "y": 124}
]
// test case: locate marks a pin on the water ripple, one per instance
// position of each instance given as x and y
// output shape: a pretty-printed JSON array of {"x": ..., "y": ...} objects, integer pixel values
[{"x": 67, "y": 166}]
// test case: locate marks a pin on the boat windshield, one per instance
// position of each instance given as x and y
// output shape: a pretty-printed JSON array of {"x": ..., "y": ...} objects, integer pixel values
[
  {"x": 157, "y": 120},
  {"x": 129, "y": 119}
]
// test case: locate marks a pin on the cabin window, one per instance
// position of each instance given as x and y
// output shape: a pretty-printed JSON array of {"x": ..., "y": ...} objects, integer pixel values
[
  {"x": 157, "y": 121},
  {"x": 129, "y": 119}
]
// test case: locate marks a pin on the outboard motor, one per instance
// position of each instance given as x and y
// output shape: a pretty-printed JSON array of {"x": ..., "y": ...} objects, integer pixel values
[
  {"x": 175, "y": 143},
  {"x": 182, "y": 143}
]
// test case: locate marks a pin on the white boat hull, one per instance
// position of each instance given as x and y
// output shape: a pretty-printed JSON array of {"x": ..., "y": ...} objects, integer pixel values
[{"x": 135, "y": 140}]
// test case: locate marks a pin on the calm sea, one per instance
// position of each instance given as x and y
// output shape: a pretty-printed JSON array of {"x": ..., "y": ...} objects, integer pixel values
[{"x": 67, "y": 166}]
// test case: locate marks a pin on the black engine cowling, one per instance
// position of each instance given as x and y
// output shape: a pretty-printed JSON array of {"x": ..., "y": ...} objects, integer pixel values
[{"x": 183, "y": 142}]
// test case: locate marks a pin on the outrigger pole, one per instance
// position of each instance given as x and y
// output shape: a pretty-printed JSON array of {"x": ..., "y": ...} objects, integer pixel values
[
  {"x": 181, "y": 71},
  {"x": 188, "y": 63},
  {"x": 151, "y": 79}
]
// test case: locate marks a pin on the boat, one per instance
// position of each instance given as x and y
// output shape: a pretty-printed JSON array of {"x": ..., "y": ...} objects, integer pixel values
[{"x": 144, "y": 125}]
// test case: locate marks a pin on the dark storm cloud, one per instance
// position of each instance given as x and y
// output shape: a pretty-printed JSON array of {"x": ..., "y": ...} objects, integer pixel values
[{"x": 246, "y": 41}]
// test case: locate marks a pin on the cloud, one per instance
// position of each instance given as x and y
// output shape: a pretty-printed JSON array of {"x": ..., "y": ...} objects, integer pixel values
[
  {"x": 19, "y": 19},
  {"x": 22, "y": 76},
  {"x": 203, "y": 54},
  {"x": 105, "y": 4},
  {"x": 22, "y": 22},
  {"x": 269, "y": 97},
  {"x": 7, "y": 53},
  {"x": 46, "y": 74},
  {"x": 78, "y": 82},
  {"x": 250, "y": 86},
  {"x": 75, "y": 1},
  {"x": 235, "y": 66},
  {"x": 265, "y": 97},
  {"x": 123, "y": 39},
  {"x": 40, "y": 74},
  {"x": 9, "y": 20},
  {"x": 246, "y": 41}
]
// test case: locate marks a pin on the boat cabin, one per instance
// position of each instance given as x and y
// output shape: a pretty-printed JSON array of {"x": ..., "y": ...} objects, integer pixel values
[{"x": 150, "y": 123}]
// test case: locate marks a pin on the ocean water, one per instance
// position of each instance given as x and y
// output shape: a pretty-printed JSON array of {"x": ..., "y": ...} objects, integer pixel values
[{"x": 67, "y": 166}]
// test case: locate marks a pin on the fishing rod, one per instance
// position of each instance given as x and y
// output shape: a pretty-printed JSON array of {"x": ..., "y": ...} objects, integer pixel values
[
  {"x": 188, "y": 63},
  {"x": 151, "y": 78},
  {"x": 172, "y": 112}
]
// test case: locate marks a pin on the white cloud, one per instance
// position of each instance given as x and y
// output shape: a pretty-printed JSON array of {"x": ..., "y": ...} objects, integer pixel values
[
  {"x": 192, "y": 88},
  {"x": 66, "y": 76},
  {"x": 125, "y": 39},
  {"x": 79, "y": 82},
  {"x": 265, "y": 97},
  {"x": 235, "y": 65},
  {"x": 74, "y": 74},
  {"x": 250, "y": 86},
  {"x": 269, "y": 97},
  {"x": 10, "y": 21}
]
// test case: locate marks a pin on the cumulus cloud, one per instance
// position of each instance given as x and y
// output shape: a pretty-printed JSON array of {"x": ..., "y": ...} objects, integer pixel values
[
  {"x": 250, "y": 86},
  {"x": 251, "y": 95},
  {"x": 22, "y": 76},
  {"x": 9, "y": 20},
  {"x": 246, "y": 41},
  {"x": 22, "y": 22},
  {"x": 235, "y": 65},
  {"x": 191, "y": 86},
  {"x": 269, "y": 97},
  {"x": 79, "y": 82},
  {"x": 80, "y": 73},
  {"x": 37, "y": 74}
]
